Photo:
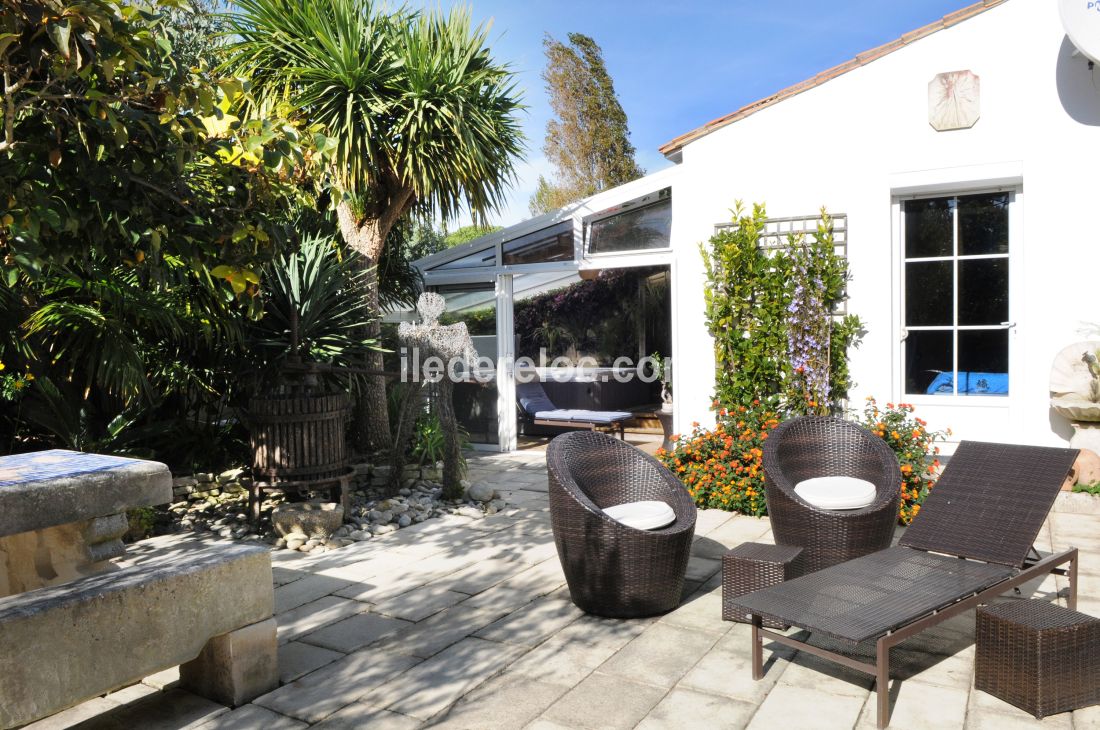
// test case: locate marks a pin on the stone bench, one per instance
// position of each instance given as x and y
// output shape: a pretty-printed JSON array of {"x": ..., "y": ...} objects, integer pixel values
[{"x": 207, "y": 607}]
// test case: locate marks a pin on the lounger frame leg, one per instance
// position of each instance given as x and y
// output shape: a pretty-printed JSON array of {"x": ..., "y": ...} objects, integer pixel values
[
  {"x": 882, "y": 681},
  {"x": 880, "y": 670},
  {"x": 757, "y": 648}
]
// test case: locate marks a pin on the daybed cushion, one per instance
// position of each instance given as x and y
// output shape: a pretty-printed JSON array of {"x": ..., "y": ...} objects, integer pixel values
[
  {"x": 564, "y": 414},
  {"x": 647, "y": 515},
  {"x": 533, "y": 399},
  {"x": 836, "y": 492}
]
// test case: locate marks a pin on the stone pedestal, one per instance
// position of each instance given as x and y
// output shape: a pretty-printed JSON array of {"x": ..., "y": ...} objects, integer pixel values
[
  {"x": 1086, "y": 435},
  {"x": 665, "y": 417},
  {"x": 237, "y": 667}
]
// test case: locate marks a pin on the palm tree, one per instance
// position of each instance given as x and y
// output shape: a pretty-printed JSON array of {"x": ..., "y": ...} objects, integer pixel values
[{"x": 418, "y": 115}]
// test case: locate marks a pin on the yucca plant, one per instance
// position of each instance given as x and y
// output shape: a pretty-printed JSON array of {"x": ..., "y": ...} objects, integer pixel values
[
  {"x": 413, "y": 113},
  {"x": 315, "y": 311}
]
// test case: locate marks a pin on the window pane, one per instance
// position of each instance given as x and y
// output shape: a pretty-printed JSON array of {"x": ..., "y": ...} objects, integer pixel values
[
  {"x": 477, "y": 260},
  {"x": 983, "y": 291},
  {"x": 633, "y": 230},
  {"x": 929, "y": 230},
  {"x": 928, "y": 362},
  {"x": 928, "y": 293},
  {"x": 541, "y": 247},
  {"x": 983, "y": 224},
  {"x": 983, "y": 362}
]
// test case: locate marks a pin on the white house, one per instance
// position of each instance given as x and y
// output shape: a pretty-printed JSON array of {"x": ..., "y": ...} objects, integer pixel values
[{"x": 963, "y": 158}]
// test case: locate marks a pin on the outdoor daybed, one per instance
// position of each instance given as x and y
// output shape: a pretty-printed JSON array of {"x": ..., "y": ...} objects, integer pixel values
[
  {"x": 972, "y": 542},
  {"x": 538, "y": 409}
]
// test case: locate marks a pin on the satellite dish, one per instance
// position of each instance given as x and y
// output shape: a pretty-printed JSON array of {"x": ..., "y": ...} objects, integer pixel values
[{"x": 1081, "y": 19}]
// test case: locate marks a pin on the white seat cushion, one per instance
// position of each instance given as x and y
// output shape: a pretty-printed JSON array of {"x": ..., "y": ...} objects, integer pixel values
[
  {"x": 836, "y": 492},
  {"x": 648, "y": 515}
]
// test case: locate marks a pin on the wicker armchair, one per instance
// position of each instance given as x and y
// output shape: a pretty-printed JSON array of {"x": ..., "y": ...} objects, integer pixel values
[
  {"x": 808, "y": 447},
  {"x": 614, "y": 570}
]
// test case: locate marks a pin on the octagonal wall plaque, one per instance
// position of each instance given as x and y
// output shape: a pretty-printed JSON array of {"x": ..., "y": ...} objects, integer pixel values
[{"x": 954, "y": 100}]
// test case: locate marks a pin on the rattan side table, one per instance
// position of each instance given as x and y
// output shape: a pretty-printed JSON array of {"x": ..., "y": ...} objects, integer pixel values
[
  {"x": 1040, "y": 657},
  {"x": 751, "y": 566}
]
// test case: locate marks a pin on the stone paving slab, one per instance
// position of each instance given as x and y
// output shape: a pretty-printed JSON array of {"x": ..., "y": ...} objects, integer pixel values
[
  {"x": 460, "y": 622},
  {"x": 296, "y": 659}
]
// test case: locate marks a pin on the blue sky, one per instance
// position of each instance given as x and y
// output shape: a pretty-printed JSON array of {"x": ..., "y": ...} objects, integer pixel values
[{"x": 676, "y": 66}]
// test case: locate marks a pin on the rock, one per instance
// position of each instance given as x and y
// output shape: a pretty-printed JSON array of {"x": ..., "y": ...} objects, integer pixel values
[
  {"x": 467, "y": 510},
  {"x": 204, "y": 478},
  {"x": 184, "y": 482},
  {"x": 315, "y": 519},
  {"x": 404, "y": 521},
  {"x": 404, "y": 492},
  {"x": 382, "y": 529},
  {"x": 499, "y": 504},
  {"x": 294, "y": 544},
  {"x": 399, "y": 508},
  {"x": 360, "y": 535},
  {"x": 1087, "y": 467},
  {"x": 230, "y": 475},
  {"x": 381, "y": 472},
  {"x": 480, "y": 492}
]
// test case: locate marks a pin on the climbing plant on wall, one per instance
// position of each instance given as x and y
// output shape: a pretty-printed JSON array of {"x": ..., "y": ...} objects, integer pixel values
[{"x": 771, "y": 314}]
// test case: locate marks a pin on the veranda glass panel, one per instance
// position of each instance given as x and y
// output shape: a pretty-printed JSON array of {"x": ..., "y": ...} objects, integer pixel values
[
  {"x": 545, "y": 246},
  {"x": 475, "y": 402},
  {"x": 639, "y": 229}
]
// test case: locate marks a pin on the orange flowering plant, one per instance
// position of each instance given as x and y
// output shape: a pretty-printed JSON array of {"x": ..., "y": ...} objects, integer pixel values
[
  {"x": 915, "y": 447},
  {"x": 721, "y": 467}
]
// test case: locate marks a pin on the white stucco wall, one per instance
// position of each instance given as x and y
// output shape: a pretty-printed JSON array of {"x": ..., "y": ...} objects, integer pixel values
[{"x": 858, "y": 141}]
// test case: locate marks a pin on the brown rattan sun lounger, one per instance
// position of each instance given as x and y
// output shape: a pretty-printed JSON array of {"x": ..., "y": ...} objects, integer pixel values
[{"x": 972, "y": 542}]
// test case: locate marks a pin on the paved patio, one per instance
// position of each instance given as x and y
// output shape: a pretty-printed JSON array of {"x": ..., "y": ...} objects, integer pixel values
[{"x": 467, "y": 623}]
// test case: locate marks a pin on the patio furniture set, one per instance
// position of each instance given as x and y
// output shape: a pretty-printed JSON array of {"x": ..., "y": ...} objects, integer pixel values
[{"x": 833, "y": 492}]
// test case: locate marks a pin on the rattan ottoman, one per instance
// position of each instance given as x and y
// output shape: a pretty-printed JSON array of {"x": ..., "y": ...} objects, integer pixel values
[
  {"x": 1040, "y": 657},
  {"x": 751, "y": 566}
]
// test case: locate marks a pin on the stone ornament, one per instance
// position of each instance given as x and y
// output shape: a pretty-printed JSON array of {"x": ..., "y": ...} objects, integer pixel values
[
  {"x": 1075, "y": 392},
  {"x": 954, "y": 100}
]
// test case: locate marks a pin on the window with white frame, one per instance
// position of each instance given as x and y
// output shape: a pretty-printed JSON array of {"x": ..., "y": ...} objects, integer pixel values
[
  {"x": 956, "y": 295},
  {"x": 638, "y": 225}
]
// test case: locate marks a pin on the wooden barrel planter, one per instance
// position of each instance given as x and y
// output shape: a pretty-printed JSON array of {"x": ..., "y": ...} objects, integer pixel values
[{"x": 298, "y": 441}]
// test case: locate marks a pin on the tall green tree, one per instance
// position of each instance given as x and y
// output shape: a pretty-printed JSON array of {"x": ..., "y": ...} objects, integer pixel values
[
  {"x": 588, "y": 142},
  {"x": 417, "y": 116}
]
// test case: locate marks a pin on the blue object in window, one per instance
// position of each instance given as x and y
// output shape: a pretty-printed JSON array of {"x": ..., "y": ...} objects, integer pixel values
[{"x": 970, "y": 384}]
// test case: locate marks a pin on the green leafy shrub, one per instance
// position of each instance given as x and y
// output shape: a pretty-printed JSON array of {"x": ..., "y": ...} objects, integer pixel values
[
  {"x": 721, "y": 467},
  {"x": 915, "y": 447},
  {"x": 771, "y": 316},
  {"x": 1088, "y": 488}
]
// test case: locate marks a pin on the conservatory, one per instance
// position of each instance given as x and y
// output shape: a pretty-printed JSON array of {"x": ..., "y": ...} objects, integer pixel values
[{"x": 578, "y": 299}]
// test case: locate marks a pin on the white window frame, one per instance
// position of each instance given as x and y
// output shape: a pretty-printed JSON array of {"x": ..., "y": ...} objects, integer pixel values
[{"x": 1015, "y": 291}]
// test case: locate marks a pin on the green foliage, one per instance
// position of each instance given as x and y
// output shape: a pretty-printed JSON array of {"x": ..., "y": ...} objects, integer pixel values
[
  {"x": 722, "y": 467},
  {"x": 1088, "y": 488},
  {"x": 110, "y": 145},
  {"x": 753, "y": 299},
  {"x": 915, "y": 447},
  {"x": 417, "y": 111},
  {"x": 429, "y": 442},
  {"x": 141, "y": 522},
  {"x": 589, "y": 141}
]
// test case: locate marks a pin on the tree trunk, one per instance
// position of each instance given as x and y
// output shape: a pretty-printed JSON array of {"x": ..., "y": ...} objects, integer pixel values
[{"x": 371, "y": 420}]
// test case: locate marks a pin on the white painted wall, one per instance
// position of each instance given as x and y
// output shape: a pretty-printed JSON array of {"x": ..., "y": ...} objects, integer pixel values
[{"x": 857, "y": 141}]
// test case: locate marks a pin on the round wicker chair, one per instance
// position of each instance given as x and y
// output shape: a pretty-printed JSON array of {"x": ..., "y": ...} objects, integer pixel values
[
  {"x": 614, "y": 570},
  {"x": 813, "y": 446}
]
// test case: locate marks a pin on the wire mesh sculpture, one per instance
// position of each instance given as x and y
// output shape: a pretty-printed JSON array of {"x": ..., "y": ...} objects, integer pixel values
[{"x": 442, "y": 350}]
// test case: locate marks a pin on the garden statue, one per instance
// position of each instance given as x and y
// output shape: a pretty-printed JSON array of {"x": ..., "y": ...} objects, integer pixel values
[
  {"x": 1075, "y": 392},
  {"x": 450, "y": 346}
]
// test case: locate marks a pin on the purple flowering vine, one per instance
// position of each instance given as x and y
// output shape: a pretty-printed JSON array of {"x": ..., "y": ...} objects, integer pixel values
[{"x": 808, "y": 335}]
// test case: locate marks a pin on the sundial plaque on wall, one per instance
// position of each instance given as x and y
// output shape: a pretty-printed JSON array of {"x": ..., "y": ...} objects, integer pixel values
[{"x": 954, "y": 100}]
